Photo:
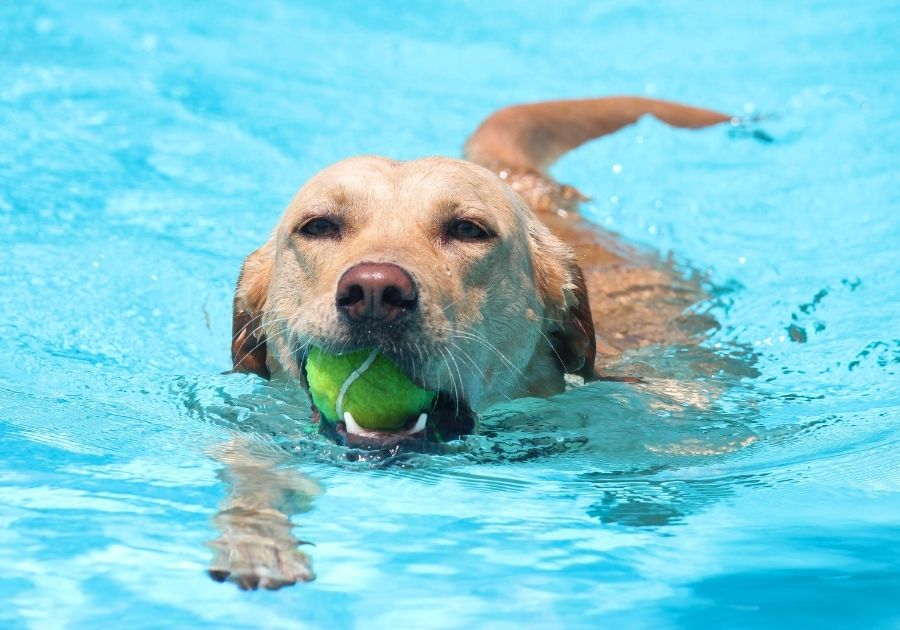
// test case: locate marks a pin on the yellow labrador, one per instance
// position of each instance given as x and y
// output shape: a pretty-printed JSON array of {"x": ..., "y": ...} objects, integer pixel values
[{"x": 477, "y": 277}]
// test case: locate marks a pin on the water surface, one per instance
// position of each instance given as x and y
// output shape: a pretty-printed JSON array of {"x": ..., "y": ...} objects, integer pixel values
[{"x": 146, "y": 148}]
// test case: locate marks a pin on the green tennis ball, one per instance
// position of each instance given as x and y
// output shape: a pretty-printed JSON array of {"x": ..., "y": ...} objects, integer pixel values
[{"x": 368, "y": 385}]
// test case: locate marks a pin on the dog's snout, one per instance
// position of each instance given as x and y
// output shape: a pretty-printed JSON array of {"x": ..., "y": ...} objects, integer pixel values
[{"x": 376, "y": 291}]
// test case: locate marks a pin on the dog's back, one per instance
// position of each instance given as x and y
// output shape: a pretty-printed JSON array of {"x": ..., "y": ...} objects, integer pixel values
[{"x": 635, "y": 298}]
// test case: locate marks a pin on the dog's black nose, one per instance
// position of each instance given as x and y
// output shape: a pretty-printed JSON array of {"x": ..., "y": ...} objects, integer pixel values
[{"x": 376, "y": 291}]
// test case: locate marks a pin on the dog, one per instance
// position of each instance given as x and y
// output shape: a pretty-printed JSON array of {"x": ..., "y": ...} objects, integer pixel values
[{"x": 478, "y": 277}]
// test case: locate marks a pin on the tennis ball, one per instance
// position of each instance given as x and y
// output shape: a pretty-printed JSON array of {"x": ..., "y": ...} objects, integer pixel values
[{"x": 365, "y": 383}]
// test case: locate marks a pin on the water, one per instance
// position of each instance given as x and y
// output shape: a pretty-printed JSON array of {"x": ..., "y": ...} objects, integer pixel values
[{"x": 146, "y": 148}]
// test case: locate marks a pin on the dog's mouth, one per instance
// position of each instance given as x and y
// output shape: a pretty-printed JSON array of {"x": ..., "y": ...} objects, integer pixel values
[
  {"x": 445, "y": 421},
  {"x": 448, "y": 418}
]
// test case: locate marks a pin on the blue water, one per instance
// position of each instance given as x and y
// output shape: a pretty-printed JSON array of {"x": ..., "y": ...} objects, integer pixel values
[{"x": 145, "y": 148}]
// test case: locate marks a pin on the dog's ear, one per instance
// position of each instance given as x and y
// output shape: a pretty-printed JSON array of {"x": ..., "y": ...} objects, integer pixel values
[
  {"x": 567, "y": 311},
  {"x": 248, "y": 340}
]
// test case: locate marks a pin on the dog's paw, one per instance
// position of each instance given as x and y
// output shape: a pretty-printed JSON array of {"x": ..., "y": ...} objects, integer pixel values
[{"x": 258, "y": 563}]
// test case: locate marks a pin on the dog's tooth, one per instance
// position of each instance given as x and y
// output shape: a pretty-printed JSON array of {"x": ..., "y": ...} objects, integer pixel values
[
  {"x": 420, "y": 424},
  {"x": 351, "y": 424}
]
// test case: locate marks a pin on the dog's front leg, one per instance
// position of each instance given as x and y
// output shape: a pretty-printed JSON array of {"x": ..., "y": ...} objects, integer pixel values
[{"x": 257, "y": 547}]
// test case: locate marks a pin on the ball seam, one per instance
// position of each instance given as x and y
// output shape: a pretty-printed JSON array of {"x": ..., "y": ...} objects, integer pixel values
[{"x": 355, "y": 374}]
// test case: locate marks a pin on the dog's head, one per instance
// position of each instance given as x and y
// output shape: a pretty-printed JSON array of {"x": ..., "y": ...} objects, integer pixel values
[{"x": 437, "y": 263}]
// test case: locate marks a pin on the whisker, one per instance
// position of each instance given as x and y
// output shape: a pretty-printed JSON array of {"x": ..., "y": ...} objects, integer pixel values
[
  {"x": 262, "y": 324},
  {"x": 470, "y": 360},
  {"x": 240, "y": 359},
  {"x": 552, "y": 347},
  {"x": 456, "y": 365},
  {"x": 455, "y": 392},
  {"x": 479, "y": 338}
]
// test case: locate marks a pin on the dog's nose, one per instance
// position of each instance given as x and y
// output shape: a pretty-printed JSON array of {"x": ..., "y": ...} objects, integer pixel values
[{"x": 376, "y": 291}]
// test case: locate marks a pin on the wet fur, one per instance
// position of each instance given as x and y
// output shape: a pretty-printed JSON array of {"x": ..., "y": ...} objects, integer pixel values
[
  {"x": 553, "y": 295},
  {"x": 587, "y": 297}
]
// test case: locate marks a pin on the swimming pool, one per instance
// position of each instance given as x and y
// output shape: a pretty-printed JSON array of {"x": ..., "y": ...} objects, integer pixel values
[{"x": 146, "y": 148}]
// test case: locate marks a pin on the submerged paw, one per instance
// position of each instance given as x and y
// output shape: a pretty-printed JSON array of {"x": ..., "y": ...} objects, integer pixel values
[{"x": 259, "y": 564}]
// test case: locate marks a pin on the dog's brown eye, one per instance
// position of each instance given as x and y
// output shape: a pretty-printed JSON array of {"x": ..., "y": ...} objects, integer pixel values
[
  {"x": 466, "y": 230},
  {"x": 320, "y": 227}
]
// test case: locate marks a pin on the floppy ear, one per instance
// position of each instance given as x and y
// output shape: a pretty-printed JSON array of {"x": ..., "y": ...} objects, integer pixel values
[
  {"x": 567, "y": 311},
  {"x": 248, "y": 340}
]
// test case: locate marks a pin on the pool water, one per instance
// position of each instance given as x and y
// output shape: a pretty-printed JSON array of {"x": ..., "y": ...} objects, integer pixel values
[{"x": 146, "y": 148}]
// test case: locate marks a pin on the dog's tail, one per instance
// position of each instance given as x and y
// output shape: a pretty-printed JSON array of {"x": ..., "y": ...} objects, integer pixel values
[{"x": 531, "y": 137}]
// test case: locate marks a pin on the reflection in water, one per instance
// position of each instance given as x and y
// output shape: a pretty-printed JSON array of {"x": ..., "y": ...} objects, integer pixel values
[
  {"x": 649, "y": 500},
  {"x": 664, "y": 417},
  {"x": 634, "y": 442},
  {"x": 256, "y": 547}
]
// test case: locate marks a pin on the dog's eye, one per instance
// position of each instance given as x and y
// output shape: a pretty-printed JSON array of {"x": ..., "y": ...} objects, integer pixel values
[
  {"x": 320, "y": 227},
  {"x": 465, "y": 230}
]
